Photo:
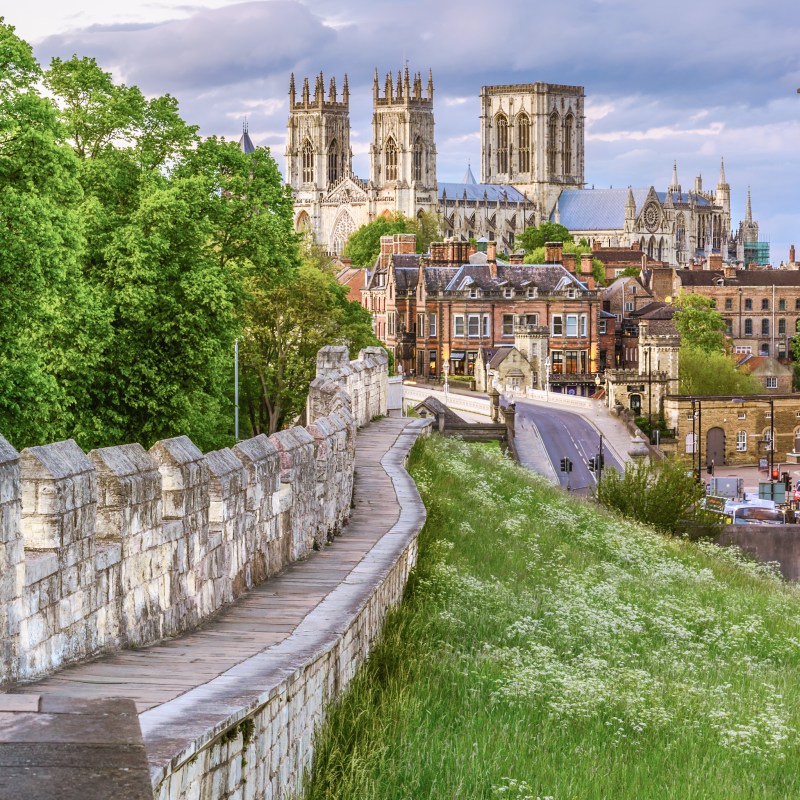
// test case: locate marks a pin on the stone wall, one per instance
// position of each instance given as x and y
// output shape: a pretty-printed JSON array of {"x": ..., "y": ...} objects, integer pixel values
[
  {"x": 249, "y": 735},
  {"x": 123, "y": 546}
]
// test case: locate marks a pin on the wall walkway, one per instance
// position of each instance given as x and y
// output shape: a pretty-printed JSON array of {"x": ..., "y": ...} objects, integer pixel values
[{"x": 230, "y": 710}]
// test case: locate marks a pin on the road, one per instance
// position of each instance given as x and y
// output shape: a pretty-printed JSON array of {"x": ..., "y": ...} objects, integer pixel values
[{"x": 562, "y": 434}]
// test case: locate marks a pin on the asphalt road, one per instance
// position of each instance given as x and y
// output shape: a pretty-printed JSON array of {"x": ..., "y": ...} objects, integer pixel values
[{"x": 561, "y": 434}]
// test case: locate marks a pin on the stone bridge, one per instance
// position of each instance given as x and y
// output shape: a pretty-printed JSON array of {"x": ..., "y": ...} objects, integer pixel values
[{"x": 225, "y": 598}]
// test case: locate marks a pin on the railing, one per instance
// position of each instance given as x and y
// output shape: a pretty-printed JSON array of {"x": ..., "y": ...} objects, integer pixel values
[{"x": 458, "y": 402}]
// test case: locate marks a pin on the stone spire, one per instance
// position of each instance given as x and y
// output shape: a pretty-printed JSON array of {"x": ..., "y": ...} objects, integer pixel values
[
  {"x": 675, "y": 186},
  {"x": 346, "y": 91},
  {"x": 630, "y": 205},
  {"x": 375, "y": 87},
  {"x": 748, "y": 214},
  {"x": 722, "y": 180},
  {"x": 389, "y": 87},
  {"x": 406, "y": 84},
  {"x": 332, "y": 90},
  {"x": 292, "y": 93},
  {"x": 399, "y": 85},
  {"x": 430, "y": 84},
  {"x": 306, "y": 92}
]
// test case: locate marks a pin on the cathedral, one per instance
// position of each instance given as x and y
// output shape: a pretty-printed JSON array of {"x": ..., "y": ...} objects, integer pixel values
[{"x": 531, "y": 170}]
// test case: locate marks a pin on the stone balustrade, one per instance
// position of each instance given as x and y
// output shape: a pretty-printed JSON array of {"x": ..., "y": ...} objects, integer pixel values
[{"x": 123, "y": 546}]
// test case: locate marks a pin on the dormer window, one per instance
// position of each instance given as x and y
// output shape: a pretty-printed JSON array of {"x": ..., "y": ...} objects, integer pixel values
[
  {"x": 571, "y": 294},
  {"x": 508, "y": 293},
  {"x": 531, "y": 293},
  {"x": 473, "y": 293}
]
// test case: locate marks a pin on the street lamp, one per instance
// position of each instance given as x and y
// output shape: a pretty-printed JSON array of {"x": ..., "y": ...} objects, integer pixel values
[
  {"x": 650, "y": 388},
  {"x": 446, "y": 370},
  {"x": 547, "y": 378}
]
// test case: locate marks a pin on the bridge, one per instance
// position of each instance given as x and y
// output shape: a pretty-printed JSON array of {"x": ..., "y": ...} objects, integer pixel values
[{"x": 229, "y": 707}]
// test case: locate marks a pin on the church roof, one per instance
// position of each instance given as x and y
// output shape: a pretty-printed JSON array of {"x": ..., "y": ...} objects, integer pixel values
[
  {"x": 492, "y": 192},
  {"x": 246, "y": 143},
  {"x": 468, "y": 176},
  {"x": 604, "y": 209}
]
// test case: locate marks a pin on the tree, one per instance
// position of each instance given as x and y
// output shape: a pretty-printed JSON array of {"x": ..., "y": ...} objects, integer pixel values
[
  {"x": 534, "y": 237},
  {"x": 702, "y": 372},
  {"x": 699, "y": 324},
  {"x": 364, "y": 244},
  {"x": 660, "y": 494},
  {"x": 426, "y": 226}
]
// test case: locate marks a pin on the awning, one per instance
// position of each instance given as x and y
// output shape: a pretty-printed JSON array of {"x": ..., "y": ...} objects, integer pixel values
[{"x": 457, "y": 355}]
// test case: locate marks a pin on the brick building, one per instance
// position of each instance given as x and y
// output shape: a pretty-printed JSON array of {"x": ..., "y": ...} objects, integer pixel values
[
  {"x": 445, "y": 306},
  {"x": 735, "y": 430}
]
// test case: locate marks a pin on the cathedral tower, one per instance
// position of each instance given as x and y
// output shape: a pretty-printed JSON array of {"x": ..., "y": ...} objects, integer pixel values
[
  {"x": 403, "y": 151},
  {"x": 318, "y": 142},
  {"x": 532, "y": 136}
]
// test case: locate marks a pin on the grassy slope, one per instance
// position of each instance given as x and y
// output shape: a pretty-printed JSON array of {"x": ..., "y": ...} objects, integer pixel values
[{"x": 547, "y": 649}]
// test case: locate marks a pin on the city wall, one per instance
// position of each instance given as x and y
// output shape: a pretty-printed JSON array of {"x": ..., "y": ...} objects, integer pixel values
[{"x": 123, "y": 546}]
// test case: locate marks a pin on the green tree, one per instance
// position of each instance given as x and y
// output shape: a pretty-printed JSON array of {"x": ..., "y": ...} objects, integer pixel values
[
  {"x": 364, "y": 244},
  {"x": 699, "y": 324},
  {"x": 426, "y": 226},
  {"x": 703, "y": 372},
  {"x": 660, "y": 494},
  {"x": 533, "y": 237}
]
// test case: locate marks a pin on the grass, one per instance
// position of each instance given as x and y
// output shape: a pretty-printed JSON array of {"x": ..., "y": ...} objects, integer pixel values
[{"x": 548, "y": 649}]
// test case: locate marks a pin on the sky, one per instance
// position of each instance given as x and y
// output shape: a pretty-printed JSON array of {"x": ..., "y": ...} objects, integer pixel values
[{"x": 690, "y": 81}]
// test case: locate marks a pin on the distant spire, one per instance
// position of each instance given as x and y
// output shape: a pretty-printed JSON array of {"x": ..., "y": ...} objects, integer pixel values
[
  {"x": 630, "y": 205},
  {"x": 389, "y": 87},
  {"x": 722, "y": 180},
  {"x": 406, "y": 84},
  {"x": 469, "y": 178},
  {"x": 306, "y": 91},
  {"x": 748, "y": 214},
  {"x": 332, "y": 90},
  {"x": 375, "y": 87},
  {"x": 291, "y": 91},
  {"x": 399, "y": 85},
  {"x": 675, "y": 186},
  {"x": 319, "y": 93},
  {"x": 430, "y": 84},
  {"x": 245, "y": 142},
  {"x": 346, "y": 91}
]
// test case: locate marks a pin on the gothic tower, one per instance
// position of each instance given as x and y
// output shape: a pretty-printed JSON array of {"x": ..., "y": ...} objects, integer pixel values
[
  {"x": 403, "y": 151},
  {"x": 318, "y": 142},
  {"x": 532, "y": 136}
]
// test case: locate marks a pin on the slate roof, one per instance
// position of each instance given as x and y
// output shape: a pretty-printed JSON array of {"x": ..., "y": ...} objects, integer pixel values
[
  {"x": 604, "y": 209},
  {"x": 655, "y": 310},
  {"x": 406, "y": 278},
  {"x": 246, "y": 143},
  {"x": 743, "y": 277},
  {"x": 499, "y": 356},
  {"x": 544, "y": 276},
  {"x": 492, "y": 192},
  {"x": 437, "y": 278}
]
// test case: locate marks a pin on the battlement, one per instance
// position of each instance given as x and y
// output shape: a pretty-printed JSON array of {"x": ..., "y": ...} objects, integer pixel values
[
  {"x": 124, "y": 546},
  {"x": 318, "y": 100},
  {"x": 406, "y": 91}
]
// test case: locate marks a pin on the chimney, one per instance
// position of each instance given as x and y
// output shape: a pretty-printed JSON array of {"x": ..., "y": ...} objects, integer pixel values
[
  {"x": 553, "y": 252},
  {"x": 491, "y": 251},
  {"x": 568, "y": 262},
  {"x": 636, "y": 246},
  {"x": 516, "y": 258},
  {"x": 715, "y": 261},
  {"x": 403, "y": 243},
  {"x": 791, "y": 254},
  {"x": 438, "y": 251},
  {"x": 597, "y": 245}
]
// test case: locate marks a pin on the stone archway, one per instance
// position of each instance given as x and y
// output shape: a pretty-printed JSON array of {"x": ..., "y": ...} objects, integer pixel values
[{"x": 715, "y": 446}]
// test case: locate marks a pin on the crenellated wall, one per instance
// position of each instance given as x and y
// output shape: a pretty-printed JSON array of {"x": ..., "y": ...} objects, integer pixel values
[{"x": 123, "y": 546}]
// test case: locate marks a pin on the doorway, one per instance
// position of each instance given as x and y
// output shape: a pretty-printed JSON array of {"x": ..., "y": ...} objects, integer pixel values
[{"x": 715, "y": 446}]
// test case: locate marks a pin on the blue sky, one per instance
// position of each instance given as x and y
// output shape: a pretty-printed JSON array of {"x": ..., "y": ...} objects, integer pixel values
[{"x": 689, "y": 80}]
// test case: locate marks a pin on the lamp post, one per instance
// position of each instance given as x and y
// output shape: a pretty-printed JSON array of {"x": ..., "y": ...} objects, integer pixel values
[
  {"x": 771, "y": 443},
  {"x": 649, "y": 389},
  {"x": 547, "y": 378},
  {"x": 236, "y": 390},
  {"x": 446, "y": 370}
]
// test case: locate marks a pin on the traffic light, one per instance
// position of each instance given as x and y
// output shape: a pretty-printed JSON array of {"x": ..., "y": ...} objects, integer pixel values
[
  {"x": 601, "y": 460},
  {"x": 696, "y": 475},
  {"x": 566, "y": 465},
  {"x": 593, "y": 464},
  {"x": 775, "y": 474},
  {"x": 787, "y": 481},
  {"x": 710, "y": 468}
]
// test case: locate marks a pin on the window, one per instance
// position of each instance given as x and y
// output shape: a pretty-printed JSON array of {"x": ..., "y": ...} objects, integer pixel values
[
  {"x": 629, "y": 305},
  {"x": 797, "y": 304},
  {"x": 765, "y": 327},
  {"x": 473, "y": 325},
  {"x": 768, "y": 440},
  {"x": 508, "y": 293},
  {"x": 765, "y": 304},
  {"x": 568, "y": 136},
  {"x": 486, "y": 332},
  {"x": 530, "y": 319},
  {"x": 552, "y": 143},
  {"x": 333, "y": 162},
  {"x": 508, "y": 324},
  {"x": 743, "y": 349},
  {"x": 458, "y": 325},
  {"x": 431, "y": 325},
  {"x": 392, "y": 315},
  {"x": 691, "y": 441},
  {"x": 391, "y": 160},
  {"x": 782, "y": 304},
  {"x": 420, "y": 324},
  {"x": 748, "y": 304},
  {"x": 558, "y": 325},
  {"x": 572, "y": 324},
  {"x": 742, "y": 415},
  {"x": 781, "y": 327},
  {"x": 431, "y": 362},
  {"x": 531, "y": 293},
  {"x": 741, "y": 441},
  {"x": 601, "y": 326},
  {"x": 417, "y": 159},
  {"x": 728, "y": 327},
  {"x": 502, "y": 143},
  {"x": 772, "y": 382},
  {"x": 583, "y": 325},
  {"x": 473, "y": 293},
  {"x": 571, "y": 294},
  {"x": 728, "y": 303},
  {"x": 557, "y": 362},
  {"x": 524, "y": 133},
  {"x": 308, "y": 162},
  {"x": 748, "y": 327}
]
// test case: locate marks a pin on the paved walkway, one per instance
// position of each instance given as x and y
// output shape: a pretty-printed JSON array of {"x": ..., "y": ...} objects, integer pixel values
[{"x": 259, "y": 620}]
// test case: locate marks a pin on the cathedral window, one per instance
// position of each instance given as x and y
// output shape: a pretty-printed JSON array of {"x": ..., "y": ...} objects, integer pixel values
[
  {"x": 569, "y": 135},
  {"x": 552, "y": 143},
  {"x": 333, "y": 162},
  {"x": 308, "y": 162},
  {"x": 417, "y": 159},
  {"x": 391, "y": 160},
  {"x": 502, "y": 144},
  {"x": 524, "y": 151}
]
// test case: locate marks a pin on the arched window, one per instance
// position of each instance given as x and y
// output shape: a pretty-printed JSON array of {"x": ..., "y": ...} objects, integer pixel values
[
  {"x": 391, "y": 160},
  {"x": 333, "y": 162},
  {"x": 303, "y": 222},
  {"x": 502, "y": 143},
  {"x": 552, "y": 143},
  {"x": 569, "y": 136},
  {"x": 661, "y": 249},
  {"x": 417, "y": 164},
  {"x": 308, "y": 162},
  {"x": 524, "y": 139}
]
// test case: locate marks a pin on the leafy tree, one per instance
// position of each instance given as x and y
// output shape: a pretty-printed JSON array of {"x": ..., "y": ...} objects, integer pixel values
[
  {"x": 534, "y": 237},
  {"x": 287, "y": 325},
  {"x": 699, "y": 324},
  {"x": 426, "y": 226},
  {"x": 364, "y": 245},
  {"x": 49, "y": 329},
  {"x": 660, "y": 494},
  {"x": 703, "y": 372}
]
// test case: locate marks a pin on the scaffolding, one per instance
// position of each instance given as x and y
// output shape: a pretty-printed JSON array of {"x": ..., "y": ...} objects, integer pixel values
[{"x": 756, "y": 253}]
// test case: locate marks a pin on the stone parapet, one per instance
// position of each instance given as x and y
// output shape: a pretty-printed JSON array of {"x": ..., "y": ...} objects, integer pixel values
[{"x": 122, "y": 547}]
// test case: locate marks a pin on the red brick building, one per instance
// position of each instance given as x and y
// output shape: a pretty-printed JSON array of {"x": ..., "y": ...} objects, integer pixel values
[{"x": 444, "y": 306}]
